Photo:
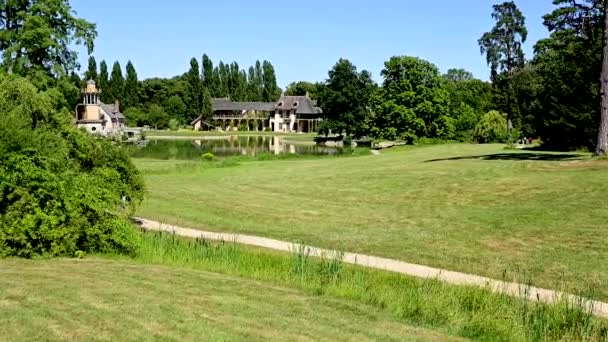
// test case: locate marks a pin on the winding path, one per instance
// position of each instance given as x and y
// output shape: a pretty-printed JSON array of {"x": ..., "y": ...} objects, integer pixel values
[{"x": 600, "y": 309}]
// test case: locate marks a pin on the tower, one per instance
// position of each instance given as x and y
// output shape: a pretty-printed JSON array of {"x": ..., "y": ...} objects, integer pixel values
[{"x": 91, "y": 101}]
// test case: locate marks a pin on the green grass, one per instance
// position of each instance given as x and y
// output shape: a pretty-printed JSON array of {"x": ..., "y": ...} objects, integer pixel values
[
  {"x": 97, "y": 299},
  {"x": 517, "y": 215},
  {"x": 181, "y": 289}
]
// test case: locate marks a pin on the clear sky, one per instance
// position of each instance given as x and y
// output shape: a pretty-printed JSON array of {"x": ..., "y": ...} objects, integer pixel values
[{"x": 303, "y": 39}]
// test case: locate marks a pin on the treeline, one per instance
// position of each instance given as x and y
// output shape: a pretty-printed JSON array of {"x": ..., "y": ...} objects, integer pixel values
[
  {"x": 554, "y": 96},
  {"x": 170, "y": 102}
]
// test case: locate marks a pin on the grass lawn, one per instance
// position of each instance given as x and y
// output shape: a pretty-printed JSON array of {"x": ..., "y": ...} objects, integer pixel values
[
  {"x": 104, "y": 300},
  {"x": 474, "y": 208}
]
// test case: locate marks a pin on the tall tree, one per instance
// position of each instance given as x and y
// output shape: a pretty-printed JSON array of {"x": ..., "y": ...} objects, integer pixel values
[
  {"x": 40, "y": 35},
  {"x": 601, "y": 147},
  {"x": 91, "y": 73},
  {"x": 131, "y": 87},
  {"x": 565, "y": 70},
  {"x": 345, "y": 99},
  {"x": 209, "y": 81},
  {"x": 193, "y": 77},
  {"x": 413, "y": 101},
  {"x": 103, "y": 81},
  {"x": 207, "y": 104},
  {"x": 271, "y": 91},
  {"x": 116, "y": 85},
  {"x": 503, "y": 49}
]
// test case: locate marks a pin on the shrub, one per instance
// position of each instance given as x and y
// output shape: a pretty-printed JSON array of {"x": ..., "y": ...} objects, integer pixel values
[
  {"x": 491, "y": 128},
  {"x": 207, "y": 156},
  {"x": 173, "y": 124},
  {"x": 62, "y": 191}
]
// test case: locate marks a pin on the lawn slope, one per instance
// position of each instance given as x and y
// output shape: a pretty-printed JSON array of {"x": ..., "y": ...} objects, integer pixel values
[
  {"x": 520, "y": 215},
  {"x": 99, "y": 299}
]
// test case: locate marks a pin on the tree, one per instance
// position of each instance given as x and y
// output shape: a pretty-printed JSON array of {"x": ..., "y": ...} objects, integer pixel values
[
  {"x": 176, "y": 108},
  {"x": 195, "y": 90},
  {"x": 91, "y": 73},
  {"x": 40, "y": 34},
  {"x": 207, "y": 105},
  {"x": 302, "y": 88},
  {"x": 64, "y": 187},
  {"x": 103, "y": 81},
  {"x": 458, "y": 75},
  {"x": 131, "y": 87},
  {"x": 565, "y": 73},
  {"x": 491, "y": 128},
  {"x": 209, "y": 80},
  {"x": 413, "y": 101},
  {"x": 271, "y": 91},
  {"x": 116, "y": 85},
  {"x": 601, "y": 147},
  {"x": 503, "y": 49},
  {"x": 345, "y": 99}
]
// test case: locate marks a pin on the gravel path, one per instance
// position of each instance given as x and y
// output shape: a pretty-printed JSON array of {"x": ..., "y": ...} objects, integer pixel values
[{"x": 513, "y": 289}]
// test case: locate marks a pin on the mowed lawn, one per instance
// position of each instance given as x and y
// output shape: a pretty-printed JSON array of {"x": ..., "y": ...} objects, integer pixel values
[
  {"x": 528, "y": 216},
  {"x": 105, "y": 300}
]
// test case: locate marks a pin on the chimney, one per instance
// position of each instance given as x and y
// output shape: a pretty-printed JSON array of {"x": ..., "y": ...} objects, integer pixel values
[{"x": 116, "y": 106}]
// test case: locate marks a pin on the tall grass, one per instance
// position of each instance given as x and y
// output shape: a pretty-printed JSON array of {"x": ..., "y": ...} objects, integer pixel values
[{"x": 464, "y": 311}]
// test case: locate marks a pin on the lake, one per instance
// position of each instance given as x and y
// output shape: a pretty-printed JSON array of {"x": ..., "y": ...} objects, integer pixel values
[{"x": 192, "y": 149}]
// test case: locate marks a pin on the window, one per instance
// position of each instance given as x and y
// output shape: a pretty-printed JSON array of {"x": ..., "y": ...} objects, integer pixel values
[
  {"x": 295, "y": 104},
  {"x": 280, "y": 104},
  {"x": 93, "y": 129}
]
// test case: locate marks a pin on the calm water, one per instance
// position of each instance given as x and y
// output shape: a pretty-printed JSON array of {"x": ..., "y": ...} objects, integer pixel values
[{"x": 185, "y": 149}]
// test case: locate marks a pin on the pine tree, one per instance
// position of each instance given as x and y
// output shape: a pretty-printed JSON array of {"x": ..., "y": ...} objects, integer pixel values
[
  {"x": 116, "y": 85},
  {"x": 271, "y": 92},
  {"x": 131, "y": 87},
  {"x": 103, "y": 82},
  {"x": 91, "y": 73},
  {"x": 224, "y": 73}
]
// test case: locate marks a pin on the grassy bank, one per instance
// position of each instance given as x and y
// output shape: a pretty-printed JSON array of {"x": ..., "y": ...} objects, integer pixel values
[
  {"x": 461, "y": 311},
  {"x": 472, "y": 208},
  {"x": 97, "y": 299}
]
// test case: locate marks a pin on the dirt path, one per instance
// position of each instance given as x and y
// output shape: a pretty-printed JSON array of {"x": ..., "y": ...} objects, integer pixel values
[{"x": 513, "y": 289}]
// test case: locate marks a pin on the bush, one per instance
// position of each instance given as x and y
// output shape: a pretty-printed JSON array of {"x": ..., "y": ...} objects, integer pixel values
[
  {"x": 491, "y": 128},
  {"x": 173, "y": 124},
  {"x": 207, "y": 156},
  {"x": 61, "y": 190}
]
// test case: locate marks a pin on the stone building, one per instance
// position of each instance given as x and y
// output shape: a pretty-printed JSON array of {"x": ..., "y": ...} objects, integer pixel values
[
  {"x": 288, "y": 114},
  {"x": 97, "y": 117}
]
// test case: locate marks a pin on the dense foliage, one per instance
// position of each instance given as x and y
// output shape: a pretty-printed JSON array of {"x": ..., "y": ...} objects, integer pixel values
[
  {"x": 183, "y": 97},
  {"x": 62, "y": 191}
]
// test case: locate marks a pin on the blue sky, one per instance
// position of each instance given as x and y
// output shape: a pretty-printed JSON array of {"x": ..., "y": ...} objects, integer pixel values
[{"x": 303, "y": 39}]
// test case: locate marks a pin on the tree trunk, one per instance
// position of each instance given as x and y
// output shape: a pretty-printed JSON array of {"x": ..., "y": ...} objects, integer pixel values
[{"x": 602, "y": 138}]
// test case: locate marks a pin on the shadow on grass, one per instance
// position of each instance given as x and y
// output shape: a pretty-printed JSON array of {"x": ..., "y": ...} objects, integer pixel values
[{"x": 522, "y": 156}]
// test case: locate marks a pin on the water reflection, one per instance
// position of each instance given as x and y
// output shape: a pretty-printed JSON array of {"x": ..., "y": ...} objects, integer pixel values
[{"x": 227, "y": 146}]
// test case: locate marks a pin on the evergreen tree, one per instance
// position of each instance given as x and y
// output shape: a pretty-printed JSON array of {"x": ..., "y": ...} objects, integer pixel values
[
  {"x": 131, "y": 87},
  {"x": 116, "y": 85},
  {"x": 271, "y": 91},
  {"x": 503, "y": 49},
  {"x": 91, "y": 73},
  {"x": 195, "y": 89},
  {"x": 103, "y": 81}
]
